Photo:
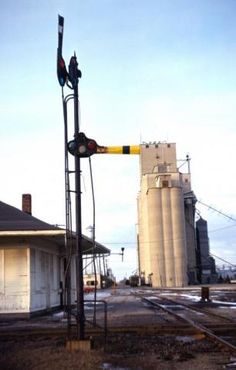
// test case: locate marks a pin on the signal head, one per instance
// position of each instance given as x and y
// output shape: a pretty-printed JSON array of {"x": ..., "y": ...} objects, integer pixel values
[
  {"x": 61, "y": 71},
  {"x": 82, "y": 146}
]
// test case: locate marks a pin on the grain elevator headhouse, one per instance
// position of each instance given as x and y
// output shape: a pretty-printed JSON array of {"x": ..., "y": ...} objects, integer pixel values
[{"x": 166, "y": 242}]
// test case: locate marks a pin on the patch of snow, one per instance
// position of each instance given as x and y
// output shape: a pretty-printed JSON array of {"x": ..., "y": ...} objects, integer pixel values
[
  {"x": 100, "y": 295},
  {"x": 185, "y": 339},
  {"x": 107, "y": 366},
  {"x": 188, "y": 296},
  {"x": 152, "y": 297},
  {"x": 59, "y": 315},
  {"x": 224, "y": 303}
]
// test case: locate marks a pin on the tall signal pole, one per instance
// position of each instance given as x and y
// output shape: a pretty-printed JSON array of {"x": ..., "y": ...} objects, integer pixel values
[
  {"x": 71, "y": 78},
  {"x": 74, "y": 75}
]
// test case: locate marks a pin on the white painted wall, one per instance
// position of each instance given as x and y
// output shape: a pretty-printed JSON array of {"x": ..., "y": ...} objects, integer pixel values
[
  {"x": 29, "y": 276},
  {"x": 14, "y": 280},
  {"x": 45, "y": 279}
]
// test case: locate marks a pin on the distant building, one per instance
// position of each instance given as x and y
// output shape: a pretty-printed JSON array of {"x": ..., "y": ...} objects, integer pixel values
[
  {"x": 98, "y": 280},
  {"x": 206, "y": 264},
  {"x": 226, "y": 273}
]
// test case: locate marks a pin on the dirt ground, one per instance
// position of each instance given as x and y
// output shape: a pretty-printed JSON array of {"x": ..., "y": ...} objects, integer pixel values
[
  {"x": 126, "y": 351},
  {"x": 122, "y": 352}
]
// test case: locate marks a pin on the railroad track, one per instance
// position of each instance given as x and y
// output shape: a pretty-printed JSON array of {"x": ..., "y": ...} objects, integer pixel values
[
  {"x": 179, "y": 319},
  {"x": 204, "y": 311},
  {"x": 203, "y": 321}
]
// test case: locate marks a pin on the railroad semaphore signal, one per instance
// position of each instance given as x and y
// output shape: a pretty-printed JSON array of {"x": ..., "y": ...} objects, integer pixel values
[
  {"x": 80, "y": 147},
  {"x": 71, "y": 79}
]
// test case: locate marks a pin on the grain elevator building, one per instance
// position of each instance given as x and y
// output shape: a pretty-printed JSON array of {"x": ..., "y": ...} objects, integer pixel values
[{"x": 166, "y": 208}]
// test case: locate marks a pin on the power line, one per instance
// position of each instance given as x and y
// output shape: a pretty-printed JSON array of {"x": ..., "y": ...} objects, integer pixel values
[
  {"x": 221, "y": 228},
  {"x": 229, "y": 263},
  {"x": 216, "y": 210}
]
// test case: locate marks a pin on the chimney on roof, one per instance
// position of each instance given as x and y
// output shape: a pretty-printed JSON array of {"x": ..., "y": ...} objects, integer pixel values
[{"x": 26, "y": 203}]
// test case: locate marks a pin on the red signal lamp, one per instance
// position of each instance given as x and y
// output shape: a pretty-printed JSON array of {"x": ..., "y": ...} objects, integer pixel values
[{"x": 92, "y": 145}]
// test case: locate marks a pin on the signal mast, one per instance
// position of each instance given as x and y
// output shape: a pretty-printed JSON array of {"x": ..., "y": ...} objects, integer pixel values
[{"x": 80, "y": 147}]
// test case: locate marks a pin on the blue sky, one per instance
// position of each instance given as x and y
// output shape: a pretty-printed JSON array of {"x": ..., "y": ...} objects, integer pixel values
[{"x": 152, "y": 71}]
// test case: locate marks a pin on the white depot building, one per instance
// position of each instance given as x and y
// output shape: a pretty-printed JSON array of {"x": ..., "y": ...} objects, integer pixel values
[{"x": 166, "y": 210}]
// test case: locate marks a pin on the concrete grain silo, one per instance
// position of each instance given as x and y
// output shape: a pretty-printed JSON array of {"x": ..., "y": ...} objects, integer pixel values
[
  {"x": 179, "y": 236},
  {"x": 143, "y": 236},
  {"x": 155, "y": 225},
  {"x": 167, "y": 236},
  {"x": 161, "y": 218}
]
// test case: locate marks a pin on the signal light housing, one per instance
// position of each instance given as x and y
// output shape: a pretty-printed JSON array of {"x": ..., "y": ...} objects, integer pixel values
[
  {"x": 62, "y": 73},
  {"x": 74, "y": 72},
  {"x": 82, "y": 146}
]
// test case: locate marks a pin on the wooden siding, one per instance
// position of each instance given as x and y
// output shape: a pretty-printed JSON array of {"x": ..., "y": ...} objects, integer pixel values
[
  {"x": 14, "y": 295},
  {"x": 45, "y": 280}
]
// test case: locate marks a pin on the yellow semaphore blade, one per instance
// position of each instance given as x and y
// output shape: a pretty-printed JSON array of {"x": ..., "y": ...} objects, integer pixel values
[{"x": 125, "y": 149}]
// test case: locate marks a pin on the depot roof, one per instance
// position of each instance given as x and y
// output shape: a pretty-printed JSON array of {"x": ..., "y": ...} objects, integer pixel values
[{"x": 14, "y": 223}]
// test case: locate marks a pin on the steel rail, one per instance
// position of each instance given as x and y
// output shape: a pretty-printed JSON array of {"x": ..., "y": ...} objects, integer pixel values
[
  {"x": 199, "y": 327},
  {"x": 204, "y": 311}
]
